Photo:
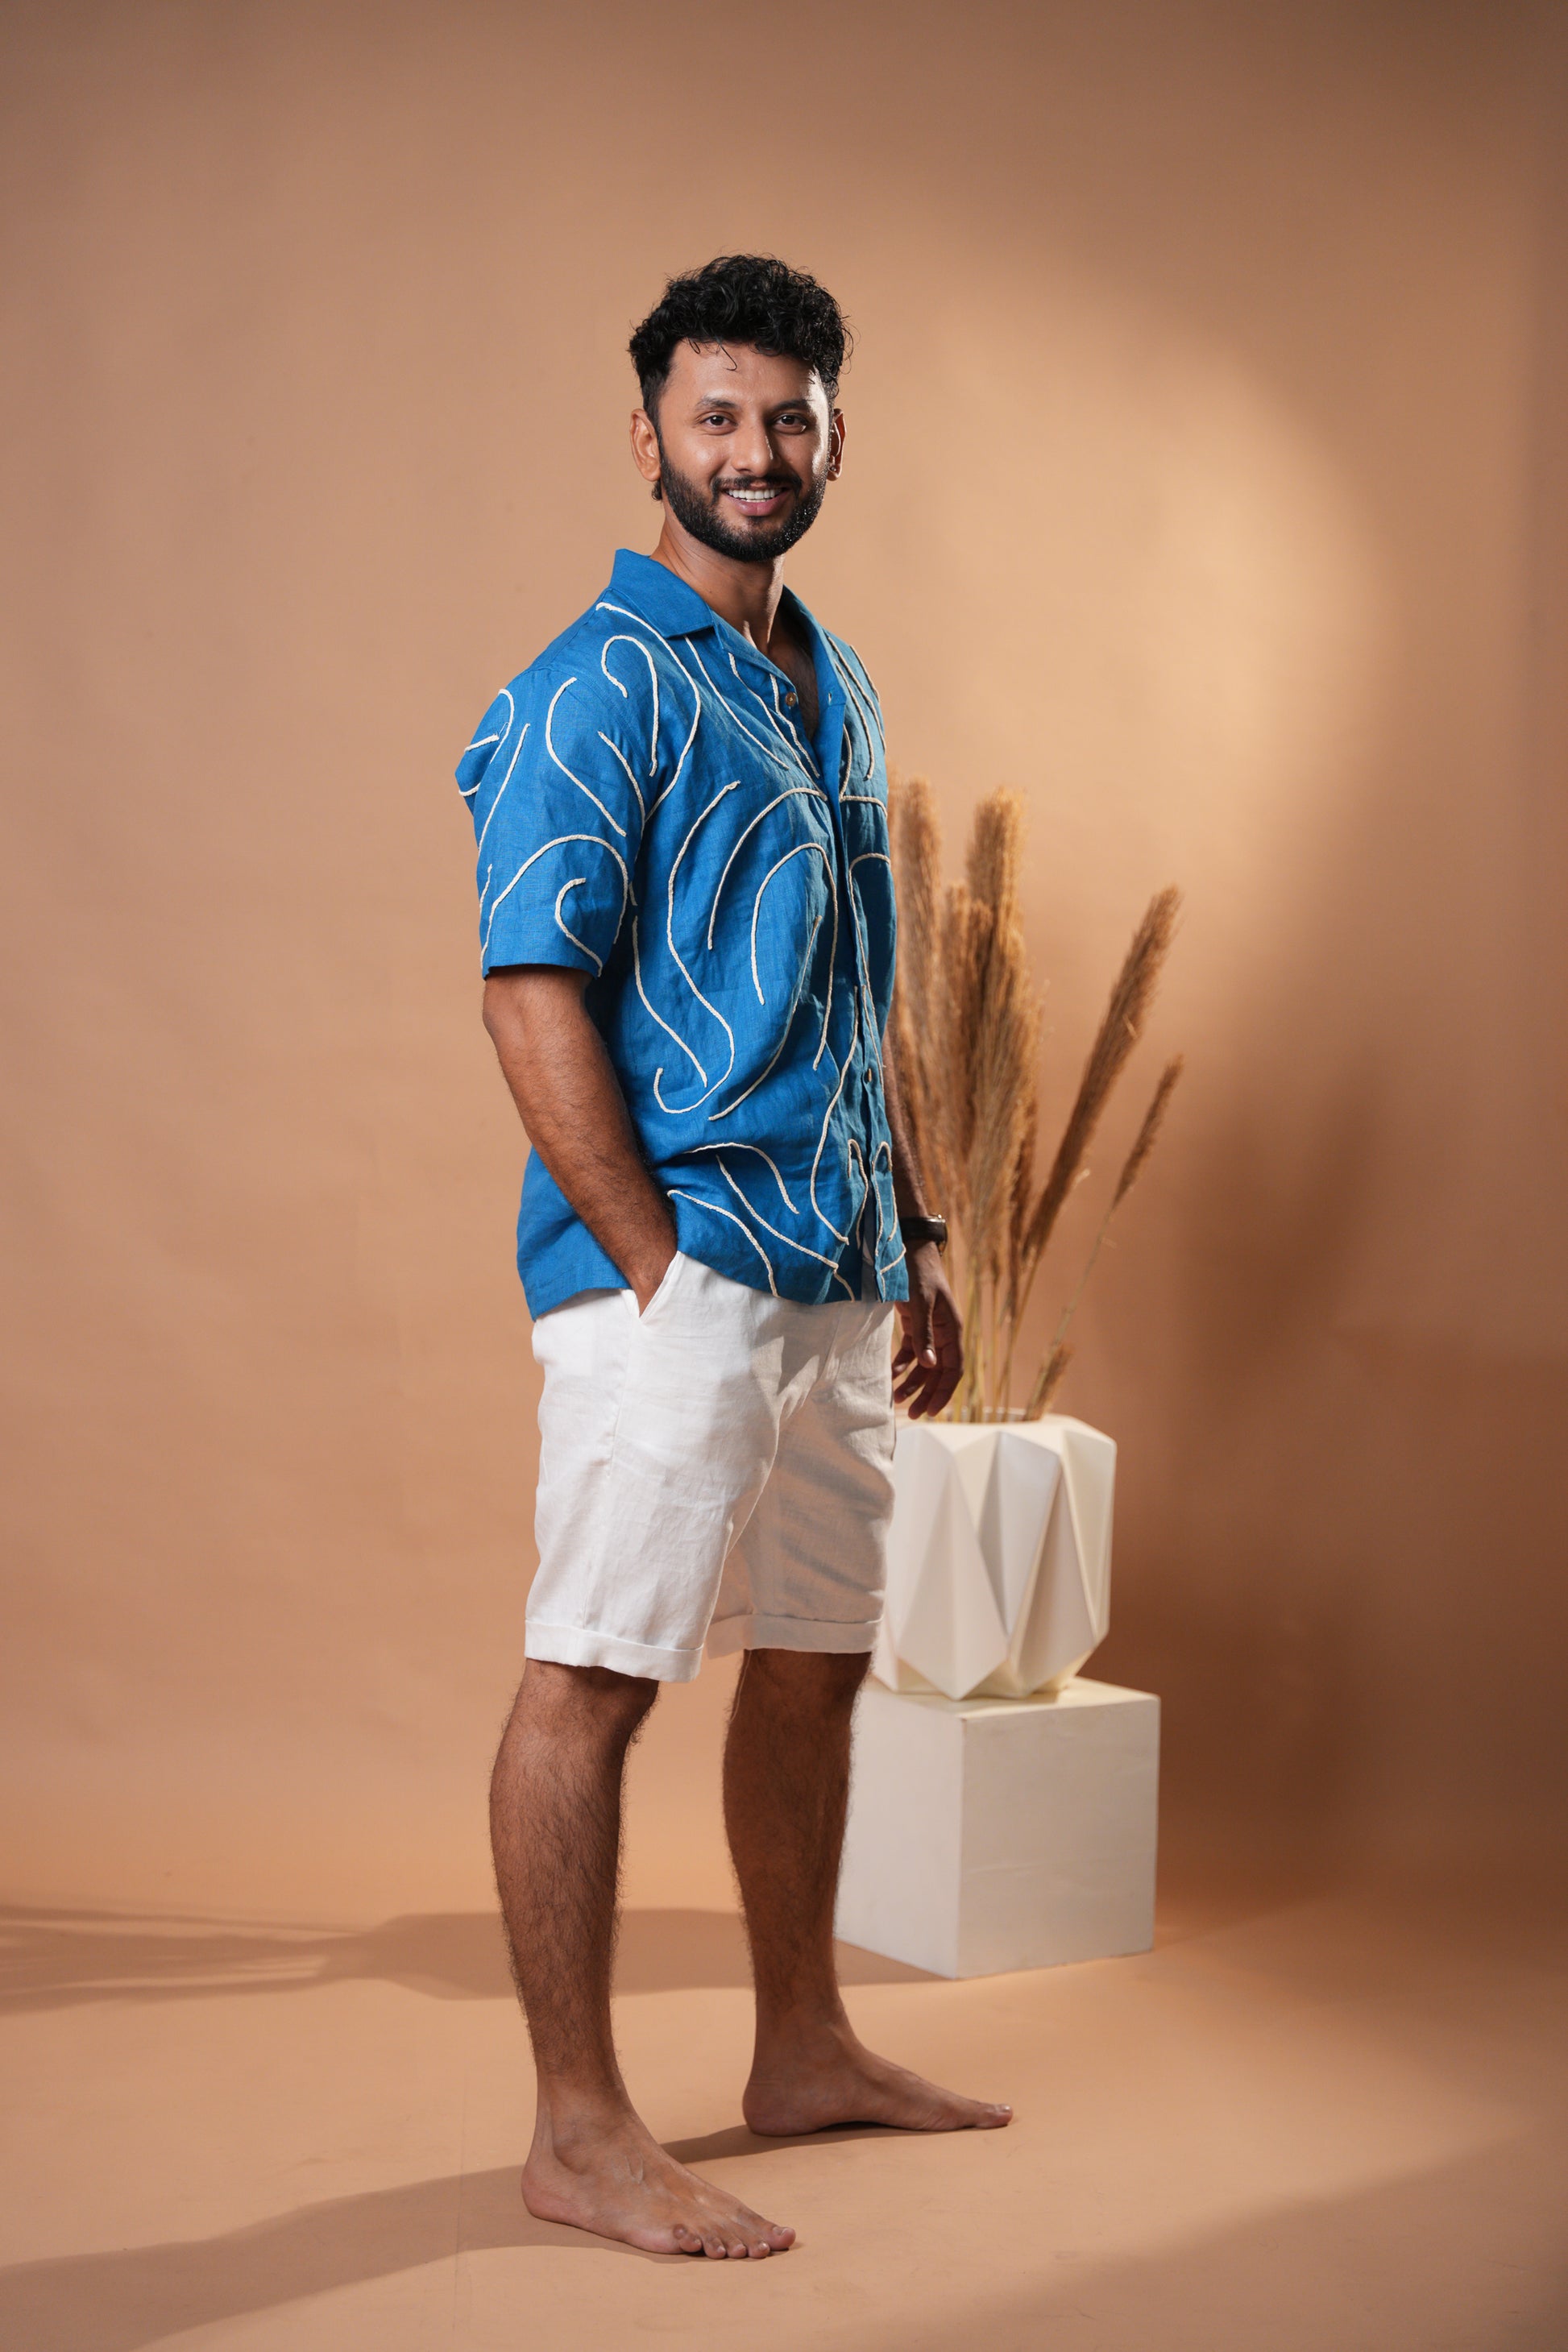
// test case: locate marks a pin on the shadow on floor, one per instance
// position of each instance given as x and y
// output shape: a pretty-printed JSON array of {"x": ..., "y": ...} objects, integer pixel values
[
  {"x": 1466, "y": 2255},
  {"x": 60, "y": 1958},
  {"x": 117, "y": 2302},
  {"x": 736, "y": 2140}
]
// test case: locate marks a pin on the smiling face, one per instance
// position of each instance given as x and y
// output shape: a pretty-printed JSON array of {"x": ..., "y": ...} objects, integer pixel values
[{"x": 743, "y": 446}]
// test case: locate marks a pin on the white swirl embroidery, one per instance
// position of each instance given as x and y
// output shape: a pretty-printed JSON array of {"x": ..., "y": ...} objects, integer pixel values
[{"x": 652, "y": 679}]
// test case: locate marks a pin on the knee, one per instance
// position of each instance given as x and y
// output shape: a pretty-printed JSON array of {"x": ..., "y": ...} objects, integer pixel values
[
  {"x": 618, "y": 1698},
  {"x": 842, "y": 1672},
  {"x": 824, "y": 1680},
  {"x": 591, "y": 1699}
]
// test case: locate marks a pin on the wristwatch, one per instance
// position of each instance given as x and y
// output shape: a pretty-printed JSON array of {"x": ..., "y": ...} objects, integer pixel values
[{"x": 917, "y": 1230}]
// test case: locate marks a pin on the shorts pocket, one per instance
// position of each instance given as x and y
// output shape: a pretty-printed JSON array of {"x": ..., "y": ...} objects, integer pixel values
[{"x": 661, "y": 1297}]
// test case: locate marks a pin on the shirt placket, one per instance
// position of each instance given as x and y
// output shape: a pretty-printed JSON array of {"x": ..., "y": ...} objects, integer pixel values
[
  {"x": 821, "y": 761},
  {"x": 865, "y": 1073}
]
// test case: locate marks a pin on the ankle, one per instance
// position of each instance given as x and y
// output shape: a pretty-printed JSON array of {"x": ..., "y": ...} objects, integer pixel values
[
  {"x": 570, "y": 2125},
  {"x": 793, "y": 2027}
]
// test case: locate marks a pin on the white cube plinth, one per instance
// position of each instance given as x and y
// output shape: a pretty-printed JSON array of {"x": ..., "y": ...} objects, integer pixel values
[{"x": 987, "y": 1835}]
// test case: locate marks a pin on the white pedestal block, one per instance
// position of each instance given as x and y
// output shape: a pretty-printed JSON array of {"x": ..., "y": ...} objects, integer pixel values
[{"x": 988, "y": 1834}]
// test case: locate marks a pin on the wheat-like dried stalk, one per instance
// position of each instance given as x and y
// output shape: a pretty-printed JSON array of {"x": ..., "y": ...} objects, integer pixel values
[
  {"x": 919, "y": 994},
  {"x": 1022, "y": 1181},
  {"x": 1048, "y": 1382},
  {"x": 995, "y": 854},
  {"x": 1143, "y": 1143},
  {"x": 1005, "y": 1027},
  {"x": 1118, "y": 1033},
  {"x": 965, "y": 942},
  {"x": 1132, "y": 1169}
]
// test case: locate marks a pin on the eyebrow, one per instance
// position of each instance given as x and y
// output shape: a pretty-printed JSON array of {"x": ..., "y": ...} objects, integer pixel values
[{"x": 727, "y": 400}]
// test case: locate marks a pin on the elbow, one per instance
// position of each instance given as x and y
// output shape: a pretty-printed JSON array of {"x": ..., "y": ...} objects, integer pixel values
[
  {"x": 499, "y": 1009},
  {"x": 528, "y": 999}
]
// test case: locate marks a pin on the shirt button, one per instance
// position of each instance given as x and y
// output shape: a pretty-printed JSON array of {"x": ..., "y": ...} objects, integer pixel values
[{"x": 791, "y": 699}]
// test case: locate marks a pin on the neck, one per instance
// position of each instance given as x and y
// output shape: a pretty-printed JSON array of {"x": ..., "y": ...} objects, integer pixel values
[{"x": 744, "y": 595}]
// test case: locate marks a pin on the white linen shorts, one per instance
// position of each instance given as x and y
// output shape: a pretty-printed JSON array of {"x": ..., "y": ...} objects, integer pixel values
[{"x": 714, "y": 1470}]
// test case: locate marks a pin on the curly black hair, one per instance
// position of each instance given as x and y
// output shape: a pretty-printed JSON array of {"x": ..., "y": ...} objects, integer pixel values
[{"x": 743, "y": 298}]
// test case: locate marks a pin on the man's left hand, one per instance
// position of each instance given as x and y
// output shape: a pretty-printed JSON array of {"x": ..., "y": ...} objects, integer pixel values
[{"x": 931, "y": 1355}]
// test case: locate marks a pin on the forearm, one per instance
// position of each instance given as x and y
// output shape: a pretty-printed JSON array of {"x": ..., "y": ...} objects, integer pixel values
[
  {"x": 930, "y": 1359},
  {"x": 570, "y": 1100},
  {"x": 909, "y": 1192}
]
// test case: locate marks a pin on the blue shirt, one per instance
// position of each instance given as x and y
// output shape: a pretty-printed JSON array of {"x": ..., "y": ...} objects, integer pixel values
[{"x": 650, "y": 808}]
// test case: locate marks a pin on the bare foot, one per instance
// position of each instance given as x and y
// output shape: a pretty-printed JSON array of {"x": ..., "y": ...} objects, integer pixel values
[
  {"x": 618, "y": 2181},
  {"x": 832, "y": 2078}
]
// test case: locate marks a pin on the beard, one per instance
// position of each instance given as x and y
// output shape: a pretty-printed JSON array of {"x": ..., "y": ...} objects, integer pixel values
[{"x": 697, "y": 510}]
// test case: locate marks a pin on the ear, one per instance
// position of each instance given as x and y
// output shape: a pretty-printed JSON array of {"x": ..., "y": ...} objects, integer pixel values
[
  {"x": 644, "y": 445},
  {"x": 836, "y": 444}
]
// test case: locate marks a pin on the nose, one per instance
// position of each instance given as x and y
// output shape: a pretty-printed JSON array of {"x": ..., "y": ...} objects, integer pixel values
[{"x": 751, "y": 450}]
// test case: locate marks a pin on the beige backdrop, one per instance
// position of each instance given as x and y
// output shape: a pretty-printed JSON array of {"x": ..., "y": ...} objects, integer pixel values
[{"x": 1206, "y": 478}]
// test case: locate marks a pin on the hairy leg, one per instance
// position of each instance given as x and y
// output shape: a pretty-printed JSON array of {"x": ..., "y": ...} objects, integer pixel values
[
  {"x": 786, "y": 1788},
  {"x": 555, "y": 1825}
]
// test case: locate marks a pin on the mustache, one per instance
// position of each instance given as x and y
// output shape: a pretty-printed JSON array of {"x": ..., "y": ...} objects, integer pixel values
[{"x": 757, "y": 482}]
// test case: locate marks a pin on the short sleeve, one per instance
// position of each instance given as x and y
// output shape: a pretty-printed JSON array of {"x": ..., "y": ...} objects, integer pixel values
[{"x": 557, "y": 814}]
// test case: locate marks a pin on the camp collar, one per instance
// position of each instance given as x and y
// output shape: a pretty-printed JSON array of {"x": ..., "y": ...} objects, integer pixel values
[{"x": 673, "y": 607}]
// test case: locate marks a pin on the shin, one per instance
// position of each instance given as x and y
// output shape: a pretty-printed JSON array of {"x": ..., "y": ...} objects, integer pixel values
[{"x": 555, "y": 1825}]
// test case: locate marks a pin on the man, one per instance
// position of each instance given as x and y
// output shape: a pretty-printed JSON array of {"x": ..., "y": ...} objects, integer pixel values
[{"x": 687, "y": 924}]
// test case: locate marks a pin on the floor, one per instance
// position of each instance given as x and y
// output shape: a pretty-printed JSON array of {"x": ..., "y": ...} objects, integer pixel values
[
  {"x": 1305, "y": 2122},
  {"x": 1331, "y": 2122}
]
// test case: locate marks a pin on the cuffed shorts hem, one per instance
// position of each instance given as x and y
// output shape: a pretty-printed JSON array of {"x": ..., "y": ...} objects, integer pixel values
[
  {"x": 749, "y": 1632},
  {"x": 579, "y": 1645}
]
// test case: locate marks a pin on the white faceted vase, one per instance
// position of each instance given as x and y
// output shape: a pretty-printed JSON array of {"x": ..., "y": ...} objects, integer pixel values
[{"x": 998, "y": 1555}]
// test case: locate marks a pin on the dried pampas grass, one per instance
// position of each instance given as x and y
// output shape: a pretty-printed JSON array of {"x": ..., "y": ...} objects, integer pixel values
[
  {"x": 919, "y": 1011},
  {"x": 965, "y": 1037},
  {"x": 1050, "y": 1381},
  {"x": 1050, "y": 1371},
  {"x": 1118, "y": 1033}
]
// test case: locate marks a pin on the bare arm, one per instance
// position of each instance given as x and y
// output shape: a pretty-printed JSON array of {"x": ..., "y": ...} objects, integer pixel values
[
  {"x": 570, "y": 1100},
  {"x": 930, "y": 1361}
]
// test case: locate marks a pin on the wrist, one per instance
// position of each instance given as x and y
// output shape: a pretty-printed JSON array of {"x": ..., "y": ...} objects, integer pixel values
[
  {"x": 927, "y": 1272},
  {"x": 647, "y": 1270}
]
